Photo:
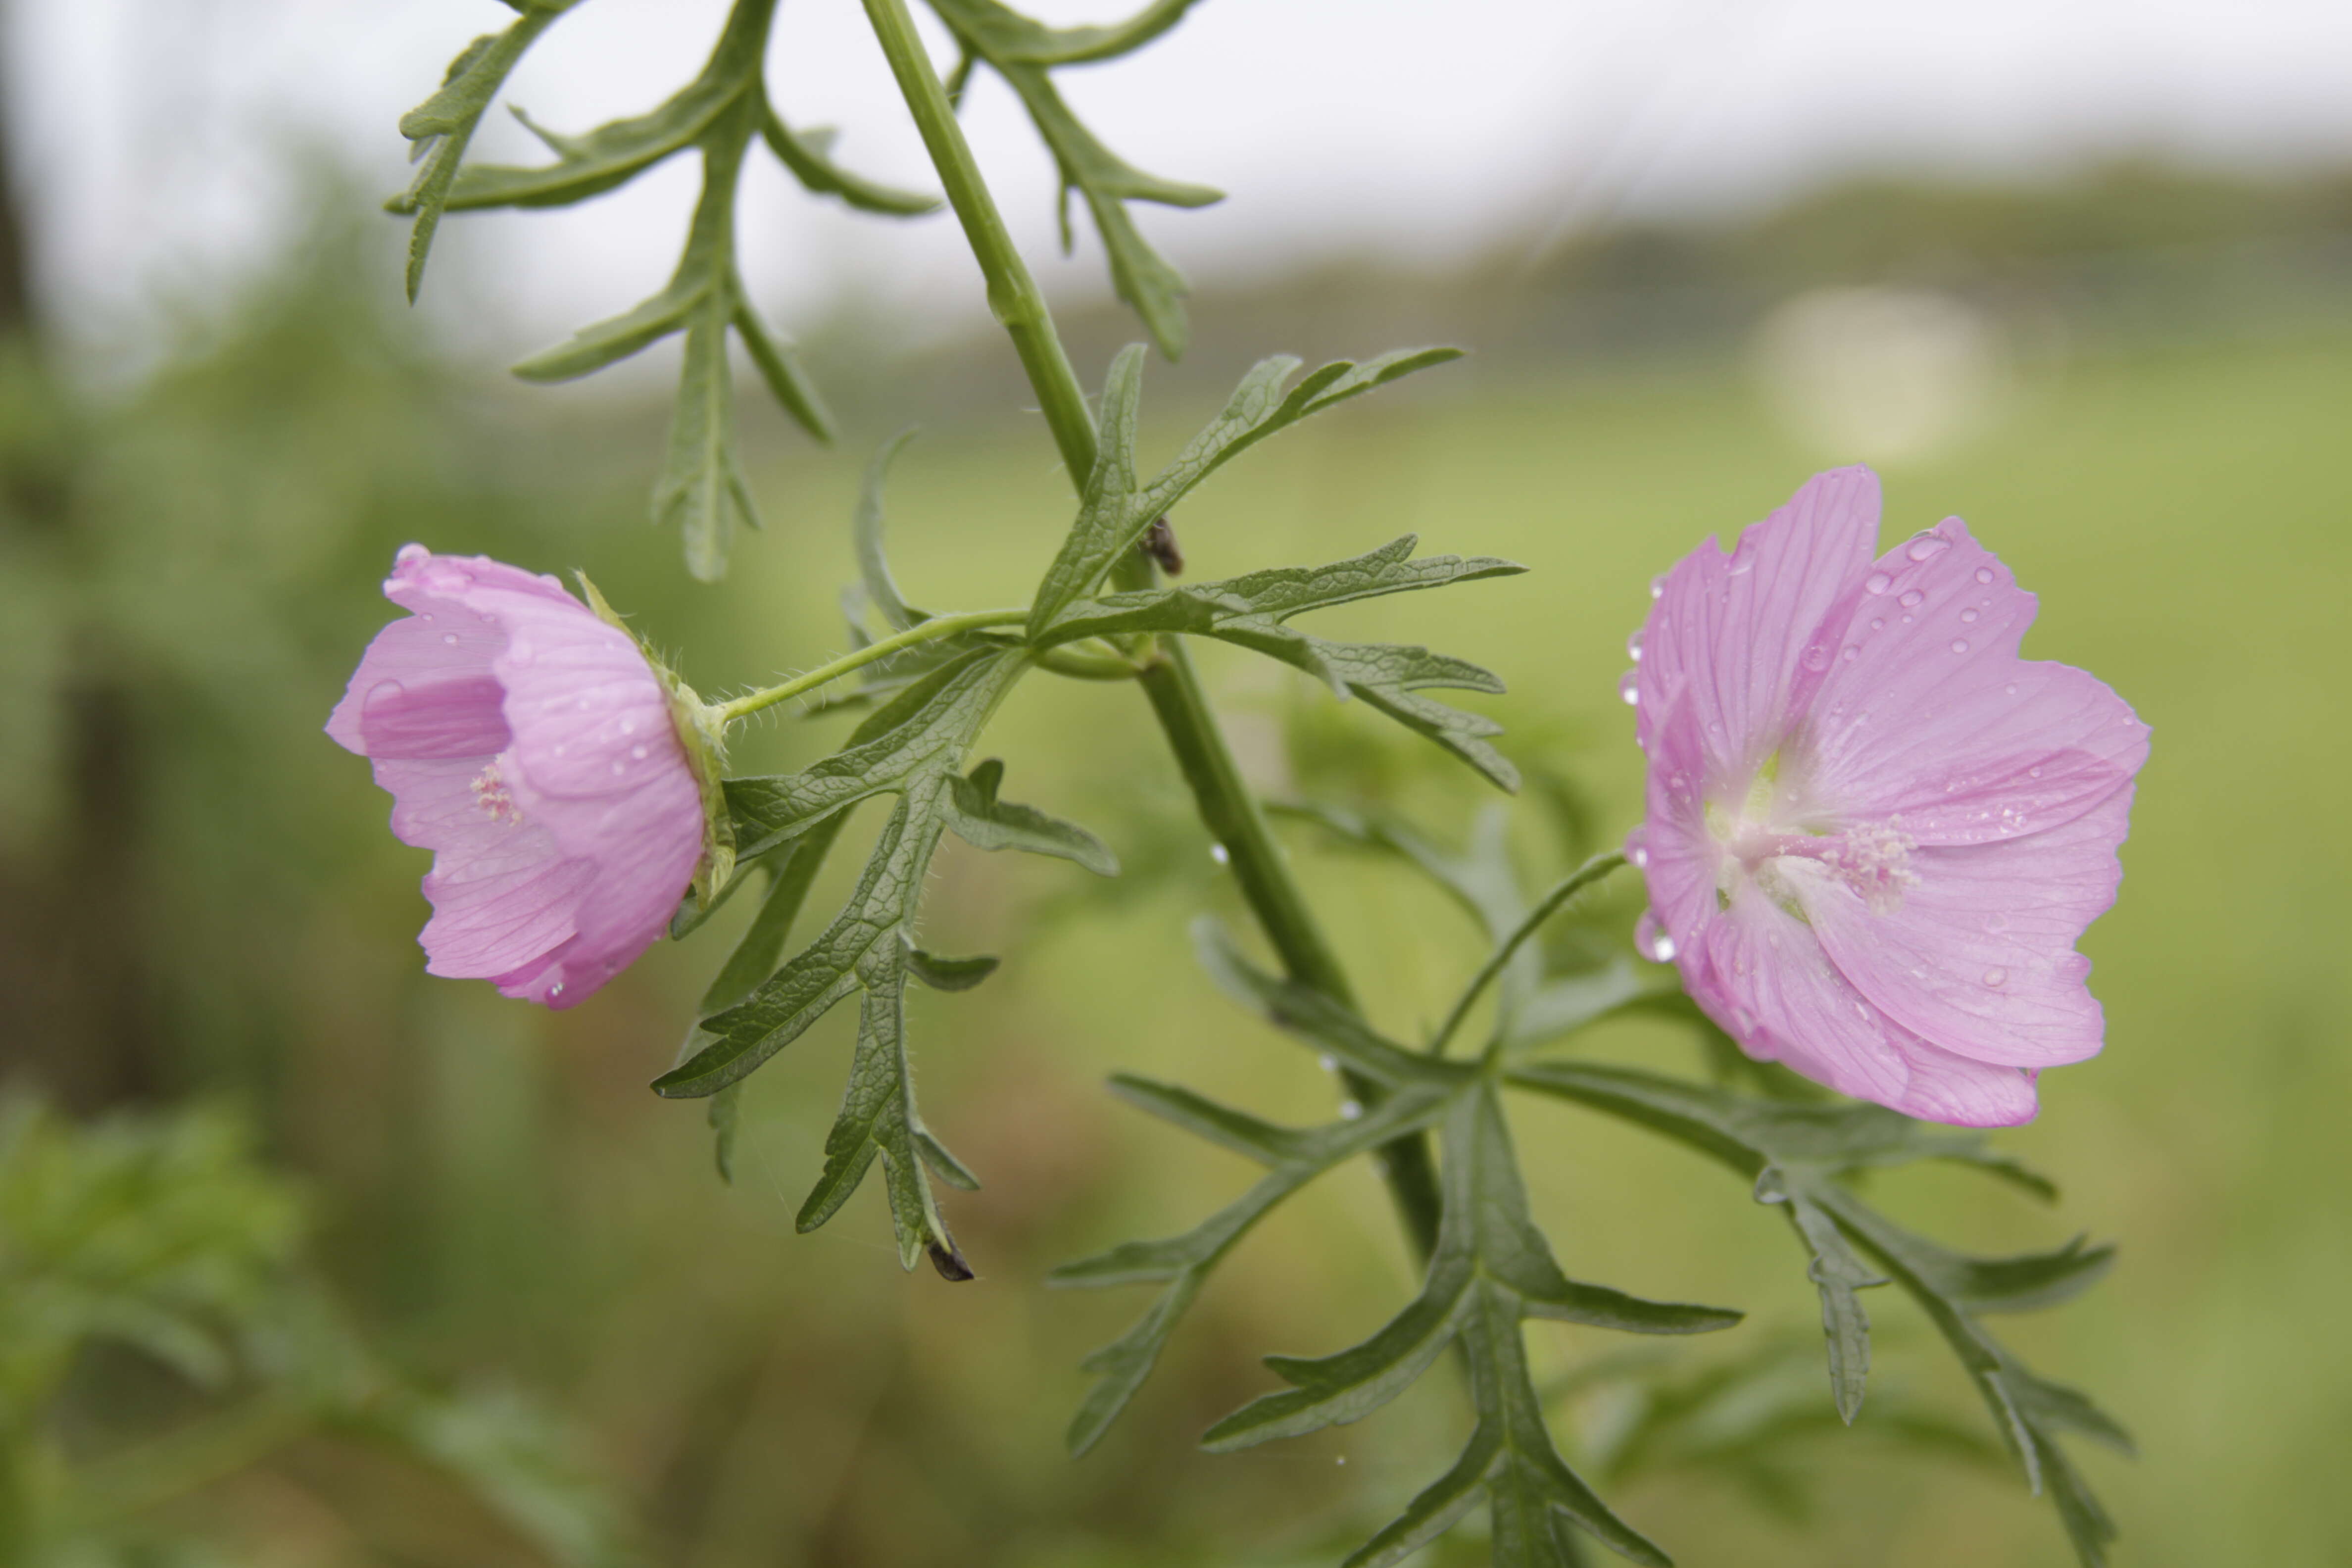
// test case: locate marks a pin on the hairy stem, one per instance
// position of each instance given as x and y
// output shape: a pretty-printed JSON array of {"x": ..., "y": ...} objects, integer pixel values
[
  {"x": 938, "y": 627},
  {"x": 1226, "y": 806}
]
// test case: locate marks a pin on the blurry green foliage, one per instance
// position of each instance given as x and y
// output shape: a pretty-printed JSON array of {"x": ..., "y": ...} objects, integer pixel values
[{"x": 163, "y": 1235}]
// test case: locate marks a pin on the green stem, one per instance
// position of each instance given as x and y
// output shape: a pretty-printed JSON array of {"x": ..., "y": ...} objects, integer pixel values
[
  {"x": 1583, "y": 876},
  {"x": 1226, "y": 806},
  {"x": 938, "y": 627}
]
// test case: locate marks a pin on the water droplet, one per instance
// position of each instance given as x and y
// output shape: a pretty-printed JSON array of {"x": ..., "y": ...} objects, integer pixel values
[
  {"x": 1658, "y": 586},
  {"x": 620, "y": 767},
  {"x": 1629, "y": 687},
  {"x": 1663, "y": 949},
  {"x": 1967, "y": 618},
  {"x": 1220, "y": 854},
  {"x": 1633, "y": 648},
  {"x": 2033, "y": 772},
  {"x": 1910, "y": 599},
  {"x": 628, "y": 726},
  {"x": 555, "y": 990},
  {"x": 1851, "y": 653},
  {"x": 2012, "y": 689},
  {"x": 1817, "y": 657},
  {"x": 449, "y": 638},
  {"x": 1329, "y": 1062},
  {"x": 1984, "y": 573},
  {"x": 639, "y": 752},
  {"x": 1995, "y": 976},
  {"x": 1878, "y": 625},
  {"x": 1348, "y": 1110},
  {"x": 1928, "y": 545},
  {"x": 1960, "y": 645},
  {"x": 1878, "y": 582}
]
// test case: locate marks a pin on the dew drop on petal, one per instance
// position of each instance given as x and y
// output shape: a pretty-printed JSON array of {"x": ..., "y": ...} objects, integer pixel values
[
  {"x": 620, "y": 767},
  {"x": 1960, "y": 645},
  {"x": 1817, "y": 657},
  {"x": 1928, "y": 545},
  {"x": 1633, "y": 648},
  {"x": 1878, "y": 581},
  {"x": 1967, "y": 618},
  {"x": 1851, "y": 653},
  {"x": 555, "y": 990},
  {"x": 1995, "y": 976},
  {"x": 2012, "y": 689},
  {"x": 628, "y": 726},
  {"x": 1663, "y": 950},
  {"x": 1910, "y": 599},
  {"x": 1878, "y": 625},
  {"x": 639, "y": 752},
  {"x": 410, "y": 554},
  {"x": 1629, "y": 687},
  {"x": 1658, "y": 586},
  {"x": 449, "y": 638},
  {"x": 1984, "y": 575}
]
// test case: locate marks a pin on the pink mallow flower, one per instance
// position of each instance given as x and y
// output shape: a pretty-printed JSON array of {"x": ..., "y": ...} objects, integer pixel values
[
  {"x": 1874, "y": 831},
  {"x": 531, "y": 746}
]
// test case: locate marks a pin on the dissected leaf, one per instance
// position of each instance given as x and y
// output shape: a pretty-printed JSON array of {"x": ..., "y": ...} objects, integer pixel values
[
  {"x": 1022, "y": 51},
  {"x": 597, "y": 160},
  {"x": 1796, "y": 1152},
  {"x": 1252, "y": 611},
  {"x": 809, "y": 155},
  {"x": 1294, "y": 1157},
  {"x": 444, "y": 124},
  {"x": 866, "y": 529},
  {"x": 984, "y": 821},
  {"x": 1112, "y": 520}
]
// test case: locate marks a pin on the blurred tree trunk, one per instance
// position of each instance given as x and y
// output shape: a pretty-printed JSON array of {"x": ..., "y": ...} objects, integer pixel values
[{"x": 75, "y": 1013}]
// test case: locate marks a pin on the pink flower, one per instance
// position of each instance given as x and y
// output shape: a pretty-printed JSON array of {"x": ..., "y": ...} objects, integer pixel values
[
  {"x": 531, "y": 747},
  {"x": 1874, "y": 831}
]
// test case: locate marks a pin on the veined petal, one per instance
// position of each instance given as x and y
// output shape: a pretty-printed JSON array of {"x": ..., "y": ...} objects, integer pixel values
[
  {"x": 1737, "y": 638},
  {"x": 1763, "y": 976},
  {"x": 1928, "y": 715},
  {"x": 1979, "y": 958},
  {"x": 502, "y": 892}
]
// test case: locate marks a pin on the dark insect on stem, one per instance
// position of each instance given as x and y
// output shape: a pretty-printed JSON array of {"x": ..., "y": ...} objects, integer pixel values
[{"x": 1159, "y": 542}]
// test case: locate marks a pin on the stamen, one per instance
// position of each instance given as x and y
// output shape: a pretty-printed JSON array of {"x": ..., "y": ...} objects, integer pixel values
[{"x": 490, "y": 794}]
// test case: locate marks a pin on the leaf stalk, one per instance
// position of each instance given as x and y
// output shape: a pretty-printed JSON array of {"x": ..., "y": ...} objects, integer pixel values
[{"x": 932, "y": 630}]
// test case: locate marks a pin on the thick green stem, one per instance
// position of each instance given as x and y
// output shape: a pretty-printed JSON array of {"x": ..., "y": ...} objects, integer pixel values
[
  {"x": 938, "y": 627},
  {"x": 1226, "y": 804}
]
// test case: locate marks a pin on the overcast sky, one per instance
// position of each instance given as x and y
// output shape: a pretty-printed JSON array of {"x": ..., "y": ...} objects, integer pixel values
[{"x": 155, "y": 135}]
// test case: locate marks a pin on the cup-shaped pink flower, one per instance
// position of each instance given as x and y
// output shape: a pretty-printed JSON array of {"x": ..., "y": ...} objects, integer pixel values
[
  {"x": 530, "y": 745},
  {"x": 1874, "y": 831}
]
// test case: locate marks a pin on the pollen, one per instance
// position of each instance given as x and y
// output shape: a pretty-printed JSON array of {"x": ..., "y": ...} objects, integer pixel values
[
  {"x": 1876, "y": 862},
  {"x": 490, "y": 794}
]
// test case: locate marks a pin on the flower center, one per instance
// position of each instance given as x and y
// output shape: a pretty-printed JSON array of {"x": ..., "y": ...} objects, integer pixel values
[
  {"x": 1774, "y": 821},
  {"x": 490, "y": 794}
]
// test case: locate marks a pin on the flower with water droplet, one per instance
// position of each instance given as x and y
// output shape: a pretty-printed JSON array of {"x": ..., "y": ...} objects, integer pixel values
[
  {"x": 1889, "y": 907},
  {"x": 560, "y": 849}
]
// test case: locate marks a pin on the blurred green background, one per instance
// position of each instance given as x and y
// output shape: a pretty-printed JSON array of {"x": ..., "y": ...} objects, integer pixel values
[{"x": 2136, "y": 389}]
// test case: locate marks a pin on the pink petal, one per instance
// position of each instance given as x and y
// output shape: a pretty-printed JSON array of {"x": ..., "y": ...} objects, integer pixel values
[
  {"x": 1762, "y": 976},
  {"x": 1963, "y": 1093},
  {"x": 425, "y": 688},
  {"x": 1929, "y": 717},
  {"x": 1675, "y": 854},
  {"x": 502, "y": 892},
  {"x": 1736, "y": 637},
  {"x": 1980, "y": 958}
]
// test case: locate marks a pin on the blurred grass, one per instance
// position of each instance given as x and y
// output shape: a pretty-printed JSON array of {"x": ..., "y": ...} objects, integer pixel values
[{"x": 502, "y": 1193}]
